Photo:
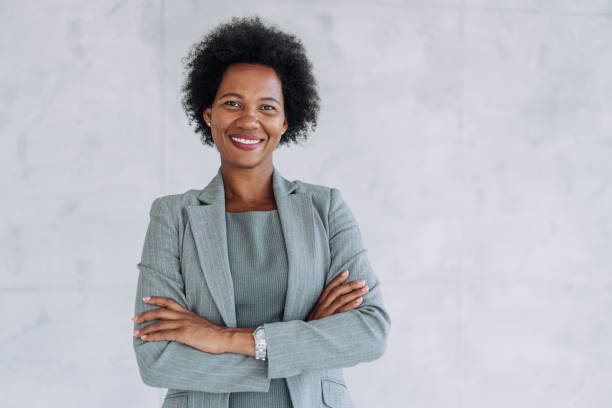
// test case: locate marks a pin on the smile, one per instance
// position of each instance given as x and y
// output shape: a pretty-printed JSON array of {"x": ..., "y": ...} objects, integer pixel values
[
  {"x": 246, "y": 141},
  {"x": 246, "y": 144}
]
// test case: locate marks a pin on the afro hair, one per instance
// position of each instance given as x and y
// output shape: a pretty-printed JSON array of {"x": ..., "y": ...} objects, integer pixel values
[{"x": 249, "y": 40}]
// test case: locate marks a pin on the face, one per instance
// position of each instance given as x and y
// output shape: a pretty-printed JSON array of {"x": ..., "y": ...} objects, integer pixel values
[{"x": 248, "y": 107}]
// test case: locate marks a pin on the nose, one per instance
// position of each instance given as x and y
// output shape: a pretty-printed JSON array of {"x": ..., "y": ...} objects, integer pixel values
[{"x": 248, "y": 120}]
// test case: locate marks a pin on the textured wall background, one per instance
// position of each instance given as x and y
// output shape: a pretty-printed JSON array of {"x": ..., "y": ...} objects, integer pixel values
[{"x": 472, "y": 139}]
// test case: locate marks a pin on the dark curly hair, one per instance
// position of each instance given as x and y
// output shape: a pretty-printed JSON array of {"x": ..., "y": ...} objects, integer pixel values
[{"x": 249, "y": 40}]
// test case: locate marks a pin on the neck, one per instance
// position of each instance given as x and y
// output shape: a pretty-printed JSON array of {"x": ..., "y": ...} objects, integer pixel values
[{"x": 247, "y": 185}]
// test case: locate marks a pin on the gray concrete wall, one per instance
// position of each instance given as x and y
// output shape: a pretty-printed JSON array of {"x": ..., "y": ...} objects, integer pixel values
[{"x": 472, "y": 139}]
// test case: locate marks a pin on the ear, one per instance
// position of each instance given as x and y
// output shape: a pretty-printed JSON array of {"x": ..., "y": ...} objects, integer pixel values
[
  {"x": 207, "y": 115},
  {"x": 285, "y": 125}
]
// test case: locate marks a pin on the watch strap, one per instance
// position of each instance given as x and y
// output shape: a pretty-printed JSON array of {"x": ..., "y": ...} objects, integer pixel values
[{"x": 260, "y": 343}]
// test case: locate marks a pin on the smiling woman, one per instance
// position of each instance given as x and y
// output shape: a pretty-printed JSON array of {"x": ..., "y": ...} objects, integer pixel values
[{"x": 244, "y": 297}]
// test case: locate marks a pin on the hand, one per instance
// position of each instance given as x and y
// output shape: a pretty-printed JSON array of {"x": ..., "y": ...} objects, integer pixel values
[
  {"x": 338, "y": 297},
  {"x": 179, "y": 324}
]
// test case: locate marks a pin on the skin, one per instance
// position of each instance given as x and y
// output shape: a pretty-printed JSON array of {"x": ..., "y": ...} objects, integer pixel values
[{"x": 249, "y": 101}]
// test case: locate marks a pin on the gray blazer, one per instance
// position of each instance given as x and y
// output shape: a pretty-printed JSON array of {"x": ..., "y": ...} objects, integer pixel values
[{"x": 185, "y": 258}]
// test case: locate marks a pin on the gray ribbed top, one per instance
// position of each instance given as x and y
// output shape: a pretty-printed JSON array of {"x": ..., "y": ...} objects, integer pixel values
[{"x": 258, "y": 264}]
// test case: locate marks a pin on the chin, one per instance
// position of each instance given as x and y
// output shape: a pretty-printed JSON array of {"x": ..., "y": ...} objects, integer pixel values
[{"x": 244, "y": 162}]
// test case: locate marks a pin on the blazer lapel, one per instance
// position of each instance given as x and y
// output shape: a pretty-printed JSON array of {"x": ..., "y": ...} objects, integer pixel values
[
  {"x": 296, "y": 217},
  {"x": 209, "y": 231}
]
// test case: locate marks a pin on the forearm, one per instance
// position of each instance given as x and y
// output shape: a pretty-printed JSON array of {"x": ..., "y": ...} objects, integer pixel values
[
  {"x": 337, "y": 341},
  {"x": 169, "y": 364}
]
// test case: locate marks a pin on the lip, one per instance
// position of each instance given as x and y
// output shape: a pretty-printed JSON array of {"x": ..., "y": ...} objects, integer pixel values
[{"x": 244, "y": 146}]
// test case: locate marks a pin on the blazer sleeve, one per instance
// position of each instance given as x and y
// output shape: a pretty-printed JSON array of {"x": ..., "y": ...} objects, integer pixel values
[
  {"x": 340, "y": 340},
  {"x": 170, "y": 364}
]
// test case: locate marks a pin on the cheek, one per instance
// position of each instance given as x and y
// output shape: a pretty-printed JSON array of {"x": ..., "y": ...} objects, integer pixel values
[
  {"x": 275, "y": 130},
  {"x": 219, "y": 125},
  {"x": 277, "y": 123}
]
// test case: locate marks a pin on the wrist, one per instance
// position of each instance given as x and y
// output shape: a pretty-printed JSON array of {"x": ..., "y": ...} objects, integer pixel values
[{"x": 239, "y": 340}]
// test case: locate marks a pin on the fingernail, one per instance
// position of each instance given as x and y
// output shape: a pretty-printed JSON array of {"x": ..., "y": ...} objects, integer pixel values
[
  {"x": 345, "y": 273},
  {"x": 146, "y": 298},
  {"x": 144, "y": 336},
  {"x": 133, "y": 319},
  {"x": 360, "y": 300},
  {"x": 361, "y": 282},
  {"x": 135, "y": 332}
]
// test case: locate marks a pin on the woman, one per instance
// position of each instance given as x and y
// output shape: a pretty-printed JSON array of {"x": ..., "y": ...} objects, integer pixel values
[{"x": 254, "y": 291}]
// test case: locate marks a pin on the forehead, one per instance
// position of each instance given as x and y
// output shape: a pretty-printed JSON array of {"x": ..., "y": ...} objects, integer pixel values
[{"x": 251, "y": 80}]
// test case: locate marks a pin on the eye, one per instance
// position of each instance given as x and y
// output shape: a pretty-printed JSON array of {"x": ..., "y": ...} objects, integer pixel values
[
  {"x": 268, "y": 107},
  {"x": 230, "y": 102}
]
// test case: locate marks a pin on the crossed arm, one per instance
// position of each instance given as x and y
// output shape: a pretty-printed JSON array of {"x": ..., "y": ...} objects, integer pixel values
[{"x": 339, "y": 340}]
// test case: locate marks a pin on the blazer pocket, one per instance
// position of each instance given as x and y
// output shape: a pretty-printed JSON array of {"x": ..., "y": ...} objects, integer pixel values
[
  {"x": 335, "y": 393},
  {"x": 176, "y": 400}
]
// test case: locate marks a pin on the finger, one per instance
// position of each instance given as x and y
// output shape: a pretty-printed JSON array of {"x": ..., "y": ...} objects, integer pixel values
[
  {"x": 158, "y": 313},
  {"x": 350, "y": 305},
  {"x": 159, "y": 326},
  {"x": 171, "y": 335},
  {"x": 168, "y": 303},
  {"x": 342, "y": 300},
  {"x": 316, "y": 315},
  {"x": 341, "y": 290},
  {"x": 335, "y": 282}
]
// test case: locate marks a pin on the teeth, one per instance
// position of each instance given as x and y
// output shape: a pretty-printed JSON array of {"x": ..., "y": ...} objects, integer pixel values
[{"x": 245, "y": 141}]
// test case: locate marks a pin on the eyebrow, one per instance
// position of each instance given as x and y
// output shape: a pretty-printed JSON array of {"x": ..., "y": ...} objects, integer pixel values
[{"x": 268, "y": 98}]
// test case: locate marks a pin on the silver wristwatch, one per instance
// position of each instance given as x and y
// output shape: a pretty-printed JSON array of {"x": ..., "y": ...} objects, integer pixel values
[{"x": 260, "y": 343}]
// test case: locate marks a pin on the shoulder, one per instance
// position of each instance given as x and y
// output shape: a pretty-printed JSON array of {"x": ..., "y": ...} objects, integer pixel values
[
  {"x": 174, "y": 203},
  {"x": 324, "y": 197},
  {"x": 320, "y": 191},
  {"x": 331, "y": 207},
  {"x": 327, "y": 199}
]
